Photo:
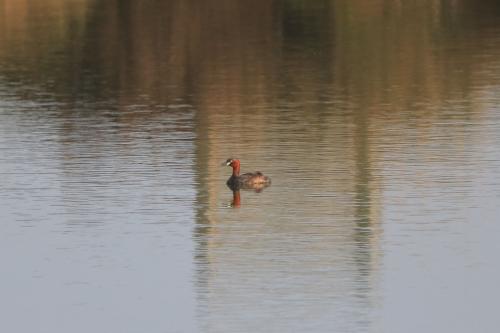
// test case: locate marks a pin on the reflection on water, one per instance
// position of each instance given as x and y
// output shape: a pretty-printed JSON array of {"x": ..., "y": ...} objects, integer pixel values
[
  {"x": 378, "y": 123},
  {"x": 236, "y": 199}
]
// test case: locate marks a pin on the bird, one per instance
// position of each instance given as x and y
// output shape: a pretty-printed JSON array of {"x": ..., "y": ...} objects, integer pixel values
[{"x": 252, "y": 180}]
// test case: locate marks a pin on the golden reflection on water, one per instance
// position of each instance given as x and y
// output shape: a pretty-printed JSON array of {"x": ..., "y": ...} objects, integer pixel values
[{"x": 338, "y": 101}]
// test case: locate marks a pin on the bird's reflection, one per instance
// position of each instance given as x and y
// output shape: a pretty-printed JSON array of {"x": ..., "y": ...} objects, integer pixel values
[
  {"x": 236, "y": 202},
  {"x": 236, "y": 199}
]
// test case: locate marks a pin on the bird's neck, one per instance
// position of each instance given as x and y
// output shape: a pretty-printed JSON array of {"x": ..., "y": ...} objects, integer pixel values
[{"x": 236, "y": 169}]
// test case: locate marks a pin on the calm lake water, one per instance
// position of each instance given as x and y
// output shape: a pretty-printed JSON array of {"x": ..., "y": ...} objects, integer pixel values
[{"x": 378, "y": 122}]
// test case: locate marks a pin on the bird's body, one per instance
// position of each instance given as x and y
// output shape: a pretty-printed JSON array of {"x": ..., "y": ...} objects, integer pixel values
[{"x": 246, "y": 180}]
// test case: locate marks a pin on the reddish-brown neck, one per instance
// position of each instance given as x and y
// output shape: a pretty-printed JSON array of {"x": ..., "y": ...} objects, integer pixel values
[{"x": 236, "y": 168}]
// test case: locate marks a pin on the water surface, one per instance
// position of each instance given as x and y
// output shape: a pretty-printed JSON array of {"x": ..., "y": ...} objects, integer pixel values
[{"x": 378, "y": 123}]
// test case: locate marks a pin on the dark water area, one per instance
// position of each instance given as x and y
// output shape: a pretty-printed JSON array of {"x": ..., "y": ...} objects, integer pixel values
[{"x": 378, "y": 122}]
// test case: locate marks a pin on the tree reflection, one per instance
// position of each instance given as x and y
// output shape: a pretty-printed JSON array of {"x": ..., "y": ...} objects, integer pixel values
[{"x": 309, "y": 85}]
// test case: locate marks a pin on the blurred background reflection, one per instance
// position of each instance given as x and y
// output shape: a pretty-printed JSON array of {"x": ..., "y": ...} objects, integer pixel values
[{"x": 377, "y": 121}]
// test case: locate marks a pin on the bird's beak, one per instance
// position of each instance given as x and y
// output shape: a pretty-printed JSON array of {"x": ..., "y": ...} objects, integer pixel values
[{"x": 225, "y": 163}]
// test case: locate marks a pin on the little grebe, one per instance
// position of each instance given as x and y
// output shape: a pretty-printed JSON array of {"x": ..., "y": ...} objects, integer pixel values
[{"x": 247, "y": 180}]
